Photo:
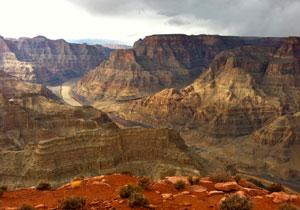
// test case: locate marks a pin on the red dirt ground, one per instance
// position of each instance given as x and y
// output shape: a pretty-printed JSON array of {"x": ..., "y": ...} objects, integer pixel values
[{"x": 103, "y": 196}]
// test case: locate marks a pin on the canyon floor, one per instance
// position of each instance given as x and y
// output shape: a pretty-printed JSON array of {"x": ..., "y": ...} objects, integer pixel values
[{"x": 102, "y": 193}]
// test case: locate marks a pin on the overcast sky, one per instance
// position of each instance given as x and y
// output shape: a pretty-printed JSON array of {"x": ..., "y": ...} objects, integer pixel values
[{"x": 129, "y": 20}]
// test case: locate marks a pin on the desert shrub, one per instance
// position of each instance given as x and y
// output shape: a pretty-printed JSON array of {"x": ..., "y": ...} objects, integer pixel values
[
  {"x": 220, "y": 176},
  {"x": 126, "y": 172},
  {"x": 235, "y": 202},
  {"x": 237, "y": 178},
  {"x": 1, "y": 192},
  {"x": 43, "y": 186},
  {"x": 288, "y": 206},
  {"x": 193, "y": 180},
  {"x": 78, "y": 178},
  {"x": 126, "y": 191},
  {"x": 74, "y": 202},
  {"x": 144, "y": 182},
  {"x": 231, "y": 170},
  {"x": 180, "y": 184},
  {"x": 256, "y": 182},
  {"x": 3, "y": 187},
  {"x": 26, "y": 207},
  {"x": 276, "y": 187},
  {"x": 137, "y": 199}
]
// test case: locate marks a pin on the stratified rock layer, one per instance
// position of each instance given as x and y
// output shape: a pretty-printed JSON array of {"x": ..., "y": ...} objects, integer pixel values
[
  {"x": 43, "y": 140},
  {"x": 48, "y": 62},
  {"x": 247, "y": 103},
  {"x": 155, "y": 63}
]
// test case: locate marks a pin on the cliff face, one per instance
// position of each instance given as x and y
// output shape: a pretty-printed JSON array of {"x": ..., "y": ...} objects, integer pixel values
[
  {"x": 48, "y": 62},
  {"x": 155, "y": 63},
  {"x": 247, "y": 103},
  {"x": 43, "y": 140}
]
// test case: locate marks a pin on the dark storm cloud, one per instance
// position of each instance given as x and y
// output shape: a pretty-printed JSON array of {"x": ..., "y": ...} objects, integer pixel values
[{"x": 237, "y": 17}]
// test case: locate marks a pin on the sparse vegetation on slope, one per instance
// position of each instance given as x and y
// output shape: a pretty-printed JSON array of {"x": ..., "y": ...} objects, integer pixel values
[
  {"x": 235, "y": 202},
  {"x": 74, "y": 202}
]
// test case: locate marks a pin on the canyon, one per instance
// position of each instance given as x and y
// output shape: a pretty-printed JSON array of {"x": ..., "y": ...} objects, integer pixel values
[
  {"x": 48, "y": 62},
  {"x": 240, "y": 109},
  {"x": 234, "y": 100},
  {"x": 44, "y": 140}
]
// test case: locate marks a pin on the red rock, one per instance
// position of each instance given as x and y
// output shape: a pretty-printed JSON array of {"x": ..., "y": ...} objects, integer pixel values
[
  {"x": 241, "y": 194},
  {"x": 227, "y": 186},
  {"x": 40, "y": 206},
  {"x": 174, "y": 179},
  {"x": 215, "y": 192},
  {"x": 197, "y": 188},
  {"x": 166, "y": 195},
  {"x": 280, "y": 197}
]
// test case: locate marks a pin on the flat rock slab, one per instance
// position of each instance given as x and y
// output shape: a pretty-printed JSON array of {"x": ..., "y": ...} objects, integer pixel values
[
  {"x": 215, "y": 192},
  {"x": 174, "y": 179},
  {"x": 227, "y": 186},
  {"x": 197, "y": 188}
]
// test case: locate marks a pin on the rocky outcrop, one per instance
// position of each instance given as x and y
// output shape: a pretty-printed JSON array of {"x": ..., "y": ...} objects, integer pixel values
[
  {"x": 155, "y": 63},
  {"x": 48, "y": 62},
  {"x": 42, "y": 139},
  {"x": 247, "y": 102}
]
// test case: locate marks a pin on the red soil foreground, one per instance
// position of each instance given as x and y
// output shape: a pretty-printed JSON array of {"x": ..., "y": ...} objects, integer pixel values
[{"x": 104, "y": 195}]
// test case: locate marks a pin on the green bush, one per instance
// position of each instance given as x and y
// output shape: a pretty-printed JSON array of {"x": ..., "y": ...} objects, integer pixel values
[
  {"x": 74, "y": 202},
  {"x": 3, "y": 187},
  {"x": 144, "y": 182},
  {"x": 26, "y": 207},
  {"x": 137, "y": 199},
  {"x": 220, "y": 176},
  {"x": 43, "y": 186},
  {"x": 276, "y": 187},
  {"x": 1, "y": 192},
  {"x": 126, "y": 172},
  {"x": 288, "y": 206},
  {"x": 180, "y": 184},
  {"x": 78, "y": 178},
  {"x": 235, "y": 202},
  {"x": 126, "y": 191}
]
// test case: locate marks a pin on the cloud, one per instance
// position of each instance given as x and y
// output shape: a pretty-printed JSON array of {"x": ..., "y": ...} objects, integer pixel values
[{"x": 235, "y": 17}]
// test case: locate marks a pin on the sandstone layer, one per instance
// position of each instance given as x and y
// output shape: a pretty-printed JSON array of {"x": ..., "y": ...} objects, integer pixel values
[
  {"x": 48, "y": 62},
  {"x": 155, "y": 63},
  {"x": 243, "y": 111},
  {"x": 42, "y": 139}
]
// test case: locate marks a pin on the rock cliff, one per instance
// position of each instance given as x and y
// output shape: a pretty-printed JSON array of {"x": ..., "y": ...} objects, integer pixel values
[
  {"x": 48, "y": 62},
  {"x": 247, "y": 103},
  {"x": 42, "y": 139},
  {"x": 155, "y": 63}
]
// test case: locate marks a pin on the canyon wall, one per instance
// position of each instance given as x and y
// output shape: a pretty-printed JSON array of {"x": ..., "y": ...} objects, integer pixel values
[
  {"x": 42, "y": 139},
  {"x": 49, "y": 62},
  {"x": 155, "y": 63},
  {"x": 243, "y": 110}
]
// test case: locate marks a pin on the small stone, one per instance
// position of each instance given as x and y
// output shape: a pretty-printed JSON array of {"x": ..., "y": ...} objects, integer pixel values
[
  {"x": 121, "y": 201},
  {"x": 40, "y": 206},
  {"x": 157, "y": 192},
  {"x": 187, "y": 204},
  {"x": 293, "y": 197},
  {"x": 166, "y": 195},
  {"x": 258, "y": 197},
  {"x": 185, "y": 193},
  {"x": 241, "y": 194},
  {"x": 197, "y": 188},
  {"x": 151, "y": 206},
  {"x": 215, "y": 192}
]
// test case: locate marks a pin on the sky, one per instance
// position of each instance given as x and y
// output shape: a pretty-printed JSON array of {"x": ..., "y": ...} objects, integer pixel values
[{"x": 129, "y": 20}]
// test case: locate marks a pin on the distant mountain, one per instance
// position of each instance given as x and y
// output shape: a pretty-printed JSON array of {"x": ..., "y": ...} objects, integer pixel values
[
  {"x": 49, "y": 62},
  {"x": 113, "y": 44}
]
